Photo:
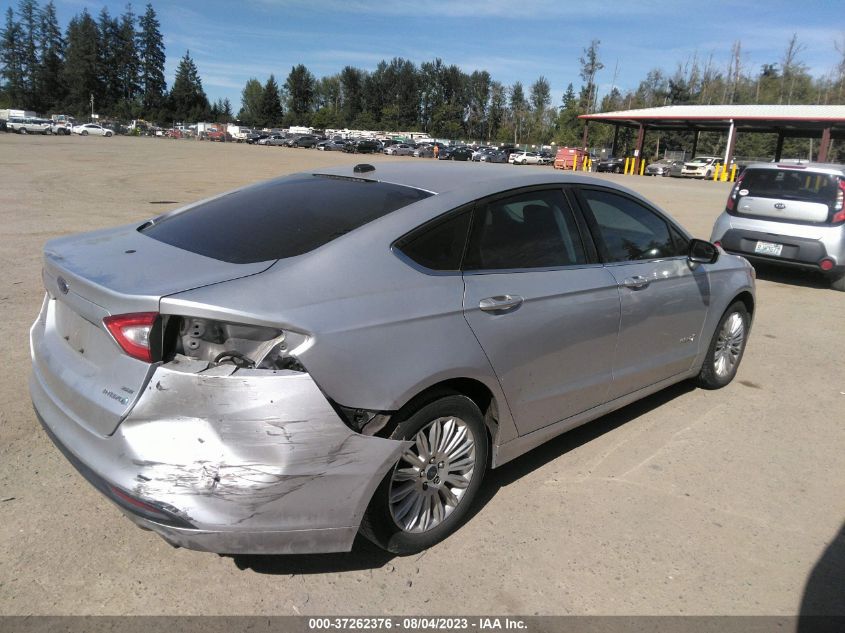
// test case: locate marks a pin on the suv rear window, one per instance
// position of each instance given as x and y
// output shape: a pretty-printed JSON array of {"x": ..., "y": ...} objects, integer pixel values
[
  {"x": 787, "y": 184},
  {"x": 281, "y": 218}
]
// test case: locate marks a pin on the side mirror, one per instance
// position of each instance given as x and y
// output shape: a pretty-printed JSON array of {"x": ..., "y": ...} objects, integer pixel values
[{"x": 702, "y": 252}]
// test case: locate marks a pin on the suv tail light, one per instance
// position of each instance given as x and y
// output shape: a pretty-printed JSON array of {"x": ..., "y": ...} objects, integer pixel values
[
  {"x": 730, "y": 205},
  {"x": 132, "y": 332},
  {"x": 839, "y": 206}
]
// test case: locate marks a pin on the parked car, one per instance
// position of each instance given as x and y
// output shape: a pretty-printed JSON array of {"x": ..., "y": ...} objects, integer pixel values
[
  {"x": 455, "y": 153},
  {"x": 93, "y": 129},
  {"x": 229, "y": 418},
  {"x": 528, "y": 158},
  {"x": 424, "y": 151},
  {"x": 663, "y": 167},
  {"x": 701, "y": 167},
  {"x": 271, "y": 137},
  {"x": 790, "y": 215},
  {"x": 495, "y": 156},
  {"x": 303, "y": 140},
  {"x": 362, "y": 146},
  {"x": 30, "y": 126},
  {"x": 610, "y": 164},
  {"x": 254, "y": 137},
  {"x": 60, "y": 128},
  {"x": 331, "y": 146},
  {"x": 399, "y": 149}
]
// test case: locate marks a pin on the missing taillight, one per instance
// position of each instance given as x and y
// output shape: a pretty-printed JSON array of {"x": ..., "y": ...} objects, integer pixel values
[{"x": 245, "y": 346}]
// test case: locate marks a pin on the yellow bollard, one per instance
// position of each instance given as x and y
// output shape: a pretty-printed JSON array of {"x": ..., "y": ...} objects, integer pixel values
[
  {"x": 724, "y": 176},
  {"x": 733, "y": 172},
  {"x": 642, "y": 166},
  {"x": 625, "y": 170},
  {"x": 716, "y": 173}
]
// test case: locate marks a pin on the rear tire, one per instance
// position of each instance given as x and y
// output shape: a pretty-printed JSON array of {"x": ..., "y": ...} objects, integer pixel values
[
  {"x": 23, "y": 131},
  {"x": 726, "y": 348},
  {"x": 427, "y": 494}
]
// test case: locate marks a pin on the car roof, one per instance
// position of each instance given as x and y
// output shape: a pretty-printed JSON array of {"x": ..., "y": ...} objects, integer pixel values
[
  {"x": 832, "y": 168},
  {"x": 476, "y": 180}
]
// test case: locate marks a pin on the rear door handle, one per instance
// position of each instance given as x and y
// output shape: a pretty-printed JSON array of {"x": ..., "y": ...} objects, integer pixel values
[
  {"x": 637, "y": 282},
  {"x": 500, "y": 303}
]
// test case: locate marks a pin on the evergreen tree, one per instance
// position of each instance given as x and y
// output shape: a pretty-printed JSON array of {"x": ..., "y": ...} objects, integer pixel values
[
  {"x": 226, "y": 110},
  {"x": 251, "y": 98},
  {"x": 127, "y": 62},
  {"x": 271, "y": 104},
  {"x": 82, "y": 64},
  {"x": 107, "y": 48},
  {"x": 11, "y": 57},
  {"x": 151, "y": 62},
  {"x": 50, "y": 88},
  {"x": 187, "y": 98},
  {"x": 300, "y": 87},
  {"x": 30, "y": 18},
  {"x": 352, "y": 93}
]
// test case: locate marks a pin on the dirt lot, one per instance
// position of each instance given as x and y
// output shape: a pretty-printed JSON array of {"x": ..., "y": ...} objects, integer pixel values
[{"x": 690, "y": 502}]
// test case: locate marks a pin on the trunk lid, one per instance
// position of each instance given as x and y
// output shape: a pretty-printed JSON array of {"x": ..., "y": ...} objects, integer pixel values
[{"x": 89, "y": 277}]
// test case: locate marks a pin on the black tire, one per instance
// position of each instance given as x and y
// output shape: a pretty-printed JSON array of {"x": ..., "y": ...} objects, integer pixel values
[
  {"x": 838, "y": 282},
  {"x": 108, "y": 134},
  {"x": 717, "y": 370},
  {"x": 23, "y": 131},
  {"x": 84, "y": 133},
  {"x": 617, "y": 170},
  {"x": 379, "y": 525},
  {"x": 48, "y": 132}
]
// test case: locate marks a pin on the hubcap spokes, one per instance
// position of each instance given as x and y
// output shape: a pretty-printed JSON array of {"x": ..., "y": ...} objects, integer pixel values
[
  {"x": 432, "y": 475},
  {"x": 729, "y": 345}
]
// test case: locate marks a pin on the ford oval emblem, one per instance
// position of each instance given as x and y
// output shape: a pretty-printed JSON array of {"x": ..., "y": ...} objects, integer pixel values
[
  {"x": 62, "y": 284},
  {"x": 780, "y": 205}
]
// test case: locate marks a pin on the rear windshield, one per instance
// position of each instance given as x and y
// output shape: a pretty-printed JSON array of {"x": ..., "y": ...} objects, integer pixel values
[
  {"x": 281, "y": 218},
  {"x": 786, "y": 184}
]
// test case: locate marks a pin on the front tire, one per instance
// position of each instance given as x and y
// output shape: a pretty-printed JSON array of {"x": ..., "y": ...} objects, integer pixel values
[
  {"x": 84, "y": 133},
  {"x": 429, "y": 491},
  {"x": 726, "y": 348}
]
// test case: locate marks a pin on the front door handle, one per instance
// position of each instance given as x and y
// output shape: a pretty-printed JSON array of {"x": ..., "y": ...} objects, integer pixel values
[
  {"x": 637, "y": 282},
  {"x": 500, "y": 303}
]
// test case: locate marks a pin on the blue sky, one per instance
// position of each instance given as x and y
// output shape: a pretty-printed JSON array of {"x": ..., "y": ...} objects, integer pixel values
[{"x": 514, "y": 40}]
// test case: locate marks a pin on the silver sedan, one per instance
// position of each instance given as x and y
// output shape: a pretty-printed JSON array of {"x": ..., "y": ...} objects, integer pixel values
[{"x": 213, "y": 374}]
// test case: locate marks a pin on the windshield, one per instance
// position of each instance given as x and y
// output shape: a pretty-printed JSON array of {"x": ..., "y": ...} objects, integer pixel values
[{"x": 280, "y": 218}]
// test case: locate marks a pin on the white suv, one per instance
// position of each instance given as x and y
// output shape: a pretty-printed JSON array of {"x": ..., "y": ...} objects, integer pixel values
[{"x": 789, "y": 215}]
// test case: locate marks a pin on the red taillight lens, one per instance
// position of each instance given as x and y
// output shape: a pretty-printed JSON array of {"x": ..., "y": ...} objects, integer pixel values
[
  {"x": 732, "y": 198},
  {"x": 132, "y": 333},
  {"x": 827, "y": 264}
]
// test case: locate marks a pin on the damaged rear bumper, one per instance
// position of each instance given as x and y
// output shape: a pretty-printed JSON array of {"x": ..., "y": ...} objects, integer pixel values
[{"x": 252, "y": 461}]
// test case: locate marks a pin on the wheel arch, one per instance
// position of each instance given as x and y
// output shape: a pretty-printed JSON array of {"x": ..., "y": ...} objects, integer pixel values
[{"x": 474, "y": 389}]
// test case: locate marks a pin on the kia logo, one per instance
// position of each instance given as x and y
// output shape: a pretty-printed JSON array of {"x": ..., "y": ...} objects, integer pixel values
[
  {"x": 780, "y": 205},
  {"x": 62, "y": 284}
]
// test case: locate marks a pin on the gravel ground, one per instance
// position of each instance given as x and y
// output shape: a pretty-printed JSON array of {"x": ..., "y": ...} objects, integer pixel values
[{"x": 688, "y": 502}]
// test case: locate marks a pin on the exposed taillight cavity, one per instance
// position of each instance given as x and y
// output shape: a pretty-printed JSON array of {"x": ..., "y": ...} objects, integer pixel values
[
  {"x": 133, "y": 333},
  {"x": 717, "y": 243}
]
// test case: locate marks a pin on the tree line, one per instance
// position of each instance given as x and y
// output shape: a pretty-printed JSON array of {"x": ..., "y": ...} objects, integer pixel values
[{"x": 119, "y": 62}]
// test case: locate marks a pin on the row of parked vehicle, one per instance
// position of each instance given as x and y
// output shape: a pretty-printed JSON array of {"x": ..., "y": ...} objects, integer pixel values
[
  {"x": 34, "y": 125},
  {"x": 698, "y": 167}
]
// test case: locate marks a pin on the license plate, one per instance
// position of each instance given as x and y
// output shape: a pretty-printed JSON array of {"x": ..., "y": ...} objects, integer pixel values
[{"x": 768, "y": 248}]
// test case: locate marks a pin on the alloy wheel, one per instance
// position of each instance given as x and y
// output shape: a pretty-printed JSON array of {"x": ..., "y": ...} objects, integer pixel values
[
  {"x": 430, "y": 479},
  {"x": 729, "y": 345}
]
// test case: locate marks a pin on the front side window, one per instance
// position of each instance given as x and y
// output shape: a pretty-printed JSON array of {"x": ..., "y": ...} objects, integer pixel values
[
  {"x": 629, "y": 230},
  {"x": 529, "y": 230}
]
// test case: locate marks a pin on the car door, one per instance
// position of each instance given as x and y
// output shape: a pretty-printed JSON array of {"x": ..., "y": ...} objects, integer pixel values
[
  {"x": 544, "y": 311},
  {"x": 664, "y": 297}
]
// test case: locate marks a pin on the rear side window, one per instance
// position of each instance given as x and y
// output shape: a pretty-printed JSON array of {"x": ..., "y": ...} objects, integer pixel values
[
  {"x": 281, "y": 218},
  {"x": 529, "y": 230},
  {"x": 629, "y": 230},
  {"x": 439, "y": 247},
  {"x": 790, "y": 185}
]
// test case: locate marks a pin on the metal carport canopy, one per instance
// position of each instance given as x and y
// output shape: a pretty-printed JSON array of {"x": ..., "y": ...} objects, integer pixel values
[{"x": 825, "y": 121}]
